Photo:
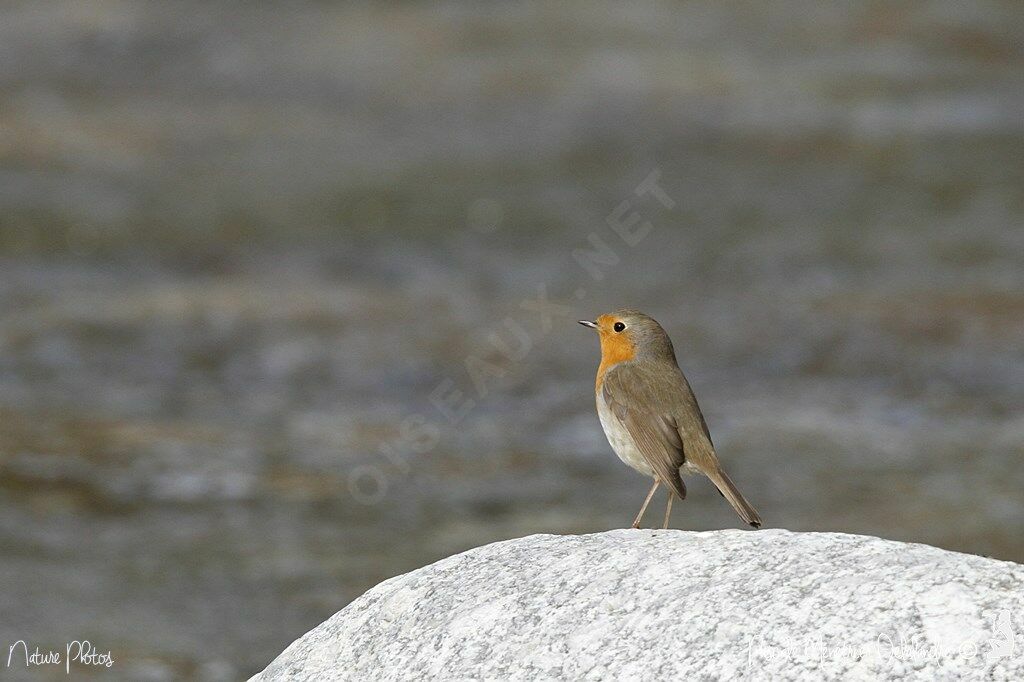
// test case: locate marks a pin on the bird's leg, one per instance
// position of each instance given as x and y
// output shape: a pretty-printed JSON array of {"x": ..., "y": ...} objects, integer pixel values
[
  {"x": 636, "y": 521},
  {"x": 668, "y": 509}
]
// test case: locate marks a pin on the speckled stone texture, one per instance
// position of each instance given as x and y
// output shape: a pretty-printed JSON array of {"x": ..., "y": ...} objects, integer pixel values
[{"x": 642, "y": 604}]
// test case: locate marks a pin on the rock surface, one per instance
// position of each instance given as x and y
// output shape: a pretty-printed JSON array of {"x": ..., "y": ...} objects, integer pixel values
[{"x": 633, "y": 605}]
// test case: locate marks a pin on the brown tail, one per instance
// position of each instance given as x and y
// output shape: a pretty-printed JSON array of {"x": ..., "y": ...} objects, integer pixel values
[{"x": 731, "y": 492}]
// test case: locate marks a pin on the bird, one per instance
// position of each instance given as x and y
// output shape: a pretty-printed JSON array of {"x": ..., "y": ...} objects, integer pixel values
[{"x": 650, "y": 415}]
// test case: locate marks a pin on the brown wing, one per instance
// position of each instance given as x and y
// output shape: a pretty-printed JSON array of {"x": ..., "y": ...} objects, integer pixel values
[
  {"x": 656, "y": 435},
  {"x": 690, "y": 406}
]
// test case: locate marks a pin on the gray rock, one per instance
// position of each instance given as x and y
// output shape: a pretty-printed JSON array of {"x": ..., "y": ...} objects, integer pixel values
[{"x": 641, "y": 604}]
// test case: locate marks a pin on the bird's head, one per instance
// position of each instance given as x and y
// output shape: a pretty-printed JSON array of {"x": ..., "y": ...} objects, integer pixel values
[{"x": 626, "y": 334}]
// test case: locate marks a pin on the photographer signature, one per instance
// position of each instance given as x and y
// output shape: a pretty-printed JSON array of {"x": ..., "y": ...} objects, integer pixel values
[{"x": 80, "y": 652}]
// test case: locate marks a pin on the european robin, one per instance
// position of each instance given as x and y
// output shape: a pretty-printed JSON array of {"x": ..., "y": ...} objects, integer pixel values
[{"x": 649, "y": 413}]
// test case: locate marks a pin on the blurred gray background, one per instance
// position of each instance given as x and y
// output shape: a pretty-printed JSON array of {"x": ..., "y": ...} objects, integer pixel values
[{"x": 242, "y": 245}]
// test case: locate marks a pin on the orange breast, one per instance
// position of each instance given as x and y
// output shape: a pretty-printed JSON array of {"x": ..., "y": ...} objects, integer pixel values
[{"x": 615, "y": 348}]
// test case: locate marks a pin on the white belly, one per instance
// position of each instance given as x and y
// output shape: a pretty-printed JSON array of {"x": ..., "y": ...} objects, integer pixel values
[{"x": 620, "y": 440}]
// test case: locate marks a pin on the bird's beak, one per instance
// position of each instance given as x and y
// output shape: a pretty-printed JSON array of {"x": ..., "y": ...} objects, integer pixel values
[{"x": 588, "y": 323}]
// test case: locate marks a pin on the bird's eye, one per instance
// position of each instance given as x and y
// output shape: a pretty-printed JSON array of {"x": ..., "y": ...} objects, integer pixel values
[{"x": 619, "y": 326}]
